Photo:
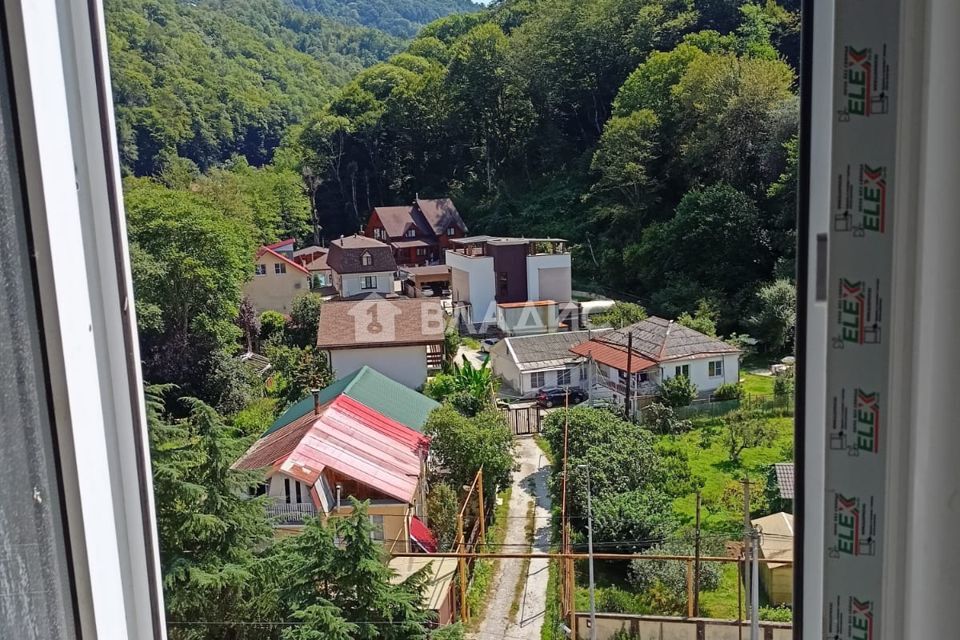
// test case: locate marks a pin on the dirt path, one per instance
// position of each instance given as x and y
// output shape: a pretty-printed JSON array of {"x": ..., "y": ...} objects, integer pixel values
[{"x": 529, "y": 484}]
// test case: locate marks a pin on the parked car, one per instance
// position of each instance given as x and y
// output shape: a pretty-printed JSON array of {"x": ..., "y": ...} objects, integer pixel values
[
  {"x": 487, "y": 344},
  {"x": 554, "y": 396}
]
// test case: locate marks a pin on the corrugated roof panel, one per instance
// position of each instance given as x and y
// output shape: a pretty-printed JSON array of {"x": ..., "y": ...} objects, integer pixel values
[{"x": 612, "y": 356}]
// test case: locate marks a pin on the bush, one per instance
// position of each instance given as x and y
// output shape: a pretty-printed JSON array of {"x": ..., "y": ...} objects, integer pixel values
[
  {"x": 304, "y": 319},
  {"x": 663, "y": 420},
  {"x": 272, "y": 326},
  {"x": 783, "y": 383},
  {"x": 677, "y": 391},
  {"x": 462, "y": 445},
  {"x": 442, "y": 511},
  {"x": 633, "y": 518},
  {"x": 439, "y": 387},
  {"x": 669, "y": 577},
  {"x": 782, "y": 613},
  {"x": 467, "y": 403},
  {"x": 728, "y": 391}
]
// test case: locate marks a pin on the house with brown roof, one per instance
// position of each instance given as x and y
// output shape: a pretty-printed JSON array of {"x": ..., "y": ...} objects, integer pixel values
[
  {"x": 400, "y": 337},
  {"x": 361, "y": 266},
  {"x": 277, "y": 279},
  {"x": 418, "y": 233},
  {"x": 339, "y": 448},
  {"x": 654, "y": 350}
]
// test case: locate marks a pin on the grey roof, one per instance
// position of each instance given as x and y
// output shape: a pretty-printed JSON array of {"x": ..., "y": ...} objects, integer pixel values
[
  {"x": 311, "y": 249},
  {"x": 346, "y": 255},
  {"x": 661, "y": 340},
  {"x": 785, "y": 483},
  {"x": 430, "y": 217},
  {"x": 441, "y": 214},
  {"x": 502, "y": 240},
  {"x": 550, "y": 350}
]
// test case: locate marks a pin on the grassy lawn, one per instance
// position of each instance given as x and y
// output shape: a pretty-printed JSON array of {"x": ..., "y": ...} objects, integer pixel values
[
  {"x": 470, "y": 343},
  {"x": 756, "y": 385},
  {"x": 722, "y": 603},
  {"x": 709, "y": 460}
]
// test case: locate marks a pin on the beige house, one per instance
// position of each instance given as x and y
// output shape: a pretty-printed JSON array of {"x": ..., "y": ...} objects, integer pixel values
[
  {"x": 776, "y": 543},
  {"x": 277, "y": 280}
]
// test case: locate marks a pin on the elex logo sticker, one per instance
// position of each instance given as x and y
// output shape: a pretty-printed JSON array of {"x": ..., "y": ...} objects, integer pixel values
[
  {"x": 850, "y": 618},
  {"x": 855, "y": 427},
  {"x": 854, "y": 527},
  {"x": 859, "y": 313},
  {"x": 865, "y": 89},
  {"x": 862, "y": 201}
]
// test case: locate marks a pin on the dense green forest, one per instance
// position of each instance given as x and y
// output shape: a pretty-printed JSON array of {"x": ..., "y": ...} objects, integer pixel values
[
  {"x": 657, "y": 135},
  {"x": 210, "y": 79},
  {"x": 402, "y": 18}
]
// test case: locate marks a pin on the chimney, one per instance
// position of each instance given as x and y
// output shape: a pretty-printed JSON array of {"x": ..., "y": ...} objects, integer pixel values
[{"x": 316, "y": 401}]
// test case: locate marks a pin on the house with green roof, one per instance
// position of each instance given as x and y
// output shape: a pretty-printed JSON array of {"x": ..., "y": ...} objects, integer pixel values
[{"x": 371, "y": 388}]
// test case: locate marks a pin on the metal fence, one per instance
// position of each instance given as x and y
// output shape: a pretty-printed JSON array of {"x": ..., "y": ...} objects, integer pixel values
[{"x": 783, "y": 405}]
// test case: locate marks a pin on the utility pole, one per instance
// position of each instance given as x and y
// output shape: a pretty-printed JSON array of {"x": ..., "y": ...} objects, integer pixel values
[
  {"x": 747, "y": 535},
  {"x": 593, "y": 602},
  {"x": 626, "y": 397},
  {"x": 696, "y": 564},
  {"x": 755, "y": 587},
  {"x": 590, "y": 379}
]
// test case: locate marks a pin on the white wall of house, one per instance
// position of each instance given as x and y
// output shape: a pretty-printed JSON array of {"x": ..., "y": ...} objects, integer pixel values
[
  {"x": 699, "y": 369},
  {"x": 553, "y": 271},
  {"x": 352, "y": 284},
  {"x": 528, "y": 320},
  {"x": 472, "y": 281},
  {"x": 406, "y": 364},
  {"x": 277, "y": 489},
  {"x": 504, "y": 367}
]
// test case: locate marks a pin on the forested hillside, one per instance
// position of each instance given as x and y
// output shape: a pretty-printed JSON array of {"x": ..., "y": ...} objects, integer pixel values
[
  {"x": 210, "y": 79},
  {"x": 657, "y": 135},
  {"x": 401, "y": 18}
]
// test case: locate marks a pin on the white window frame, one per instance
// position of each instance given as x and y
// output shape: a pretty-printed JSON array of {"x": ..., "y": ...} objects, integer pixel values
[
  {"x": 451, "y": 231},
  {"x": 368, "y": 282},
  {"x": 379, "y": 234},
  {"x": 261, "y": 269},
  {"x": 534, "y": 377},
  {"x": 66, "y": 127},
  {"x": 563, "y": 378},
  {"x": 366, "y": 259},
  {"x": 279, "y": 268},
  {"x": 410, "y": 233},
  {"x": 715, "y": 368},
  {"x": 682, "y": 370}
]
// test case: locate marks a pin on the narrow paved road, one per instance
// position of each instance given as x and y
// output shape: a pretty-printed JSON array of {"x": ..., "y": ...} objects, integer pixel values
[{"x": 529, "y": 484}]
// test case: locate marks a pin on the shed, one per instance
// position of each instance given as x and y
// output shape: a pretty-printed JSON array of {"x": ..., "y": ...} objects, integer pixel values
[
  {"x": 438, "y": 594},
  {"x": 776, "y": 543}
]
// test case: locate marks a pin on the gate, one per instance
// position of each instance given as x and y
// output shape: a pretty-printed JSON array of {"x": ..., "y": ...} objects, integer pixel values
[{"x": 523, "y": 420}]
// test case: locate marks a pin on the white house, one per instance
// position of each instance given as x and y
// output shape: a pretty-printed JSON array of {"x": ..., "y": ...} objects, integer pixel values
[
  {"x": 661, "y": 349},
  {"x": 361, "y": 266},
  {"x": 401, "y": 338},
  {"x": 487, "y": 271},
  {"x": 526, "y": 364}
]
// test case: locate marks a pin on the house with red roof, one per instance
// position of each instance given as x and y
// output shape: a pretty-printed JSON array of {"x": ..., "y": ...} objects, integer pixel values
[
  {"x": 419, "y": 232},
  {"x": 345, "y": 447},
  {"x": 277, "y": 279}
]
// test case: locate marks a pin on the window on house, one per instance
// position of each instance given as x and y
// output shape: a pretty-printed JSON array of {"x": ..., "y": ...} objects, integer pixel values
[
  {"x": 422, "y": 251},
  {"x": 537, "y": 380},
  {"x": 451, "y": 231},
  {"x": 682, "y": 370},
  {"x": 299, "y": 493},
  {"x": 582, "y": 372},
  {"x": 279, "y": 268},
  {"x": 410, "y": 233},
  {"x": 369, "y": 282},
  {"x": 366, "y": 259},
  {"x": 715, "y": 368},
  {"x": 286, "y": 489},
  {"x": 379, "y": 234},
  {"x": 261, "y": 269},
  {"x": 644, "y": 377},
  {"x": 502, "y": 282},
  {"x": 377, "y": 532},
  {"x": 563, "y": 378}
]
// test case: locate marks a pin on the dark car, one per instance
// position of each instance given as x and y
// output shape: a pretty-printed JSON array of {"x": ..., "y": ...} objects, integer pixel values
[{"x": 554, "y": 396}]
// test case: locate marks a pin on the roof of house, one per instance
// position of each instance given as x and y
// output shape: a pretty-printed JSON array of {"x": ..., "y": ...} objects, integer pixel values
[
  {"x": 346, "y": 255},
  {"x": 282, "y": 244},
  {"x": 784, "y": 473},
  {"x": 349, "y": 438},
  {"x": 547, "y": 351},
  {"x": 660, "y": 340},
  {"x": 527, "y": 303},
  {"x": 429, "y": 270},
  {"x": 776, "y": 537},
  {"x": 442, "y": 572},
  {"x": 377, "y": 321},
  {"x": 282, "y": 258},
  {"x": 411, "y": 244},
  {"x": 612, "y": 355},
  {"x": 373, "y": 389},
  {"x": 430, "y": 217},
  {"x": 319, "y": 264},
  {"x": 310, "y": 249},
  {"x": 441, "y": 214}
]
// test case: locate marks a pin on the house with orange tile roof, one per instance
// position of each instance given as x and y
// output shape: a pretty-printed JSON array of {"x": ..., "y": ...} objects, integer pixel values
[{"x": 277, "y": 279}]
